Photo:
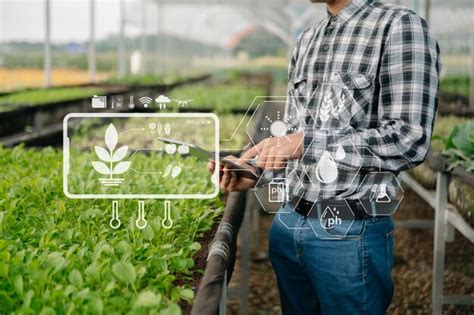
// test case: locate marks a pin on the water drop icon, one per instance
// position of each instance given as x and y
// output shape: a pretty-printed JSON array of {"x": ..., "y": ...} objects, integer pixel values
[
  {"x": 340, "y": 153},
  {"x": 330, "y": 218},
  {"x": 326, "y": 170}
]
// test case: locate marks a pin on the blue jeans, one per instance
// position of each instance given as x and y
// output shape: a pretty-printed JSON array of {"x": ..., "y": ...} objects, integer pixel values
[{"x": 349, "y": 275}]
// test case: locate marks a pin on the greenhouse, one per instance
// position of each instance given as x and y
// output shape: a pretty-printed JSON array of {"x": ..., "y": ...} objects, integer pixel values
[{"x": 236, "y": 157}]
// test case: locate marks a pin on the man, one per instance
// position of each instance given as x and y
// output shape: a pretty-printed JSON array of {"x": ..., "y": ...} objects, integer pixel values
[{"x": 363, "y": 91}]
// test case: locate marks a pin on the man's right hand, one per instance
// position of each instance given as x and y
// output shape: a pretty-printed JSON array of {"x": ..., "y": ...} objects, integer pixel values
[{"x": 229, "y": 179}]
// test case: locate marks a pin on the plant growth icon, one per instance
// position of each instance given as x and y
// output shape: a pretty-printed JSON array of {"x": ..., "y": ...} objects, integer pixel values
[
  {"x": 111, "y": 158},
  {"x": 330, "y": 107}
]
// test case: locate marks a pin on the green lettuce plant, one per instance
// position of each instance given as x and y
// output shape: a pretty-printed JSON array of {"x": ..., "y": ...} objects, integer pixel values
[{"x": 459, "y": 146}]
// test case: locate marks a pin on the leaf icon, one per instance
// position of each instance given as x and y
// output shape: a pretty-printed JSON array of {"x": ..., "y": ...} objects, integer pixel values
[
  {"x": 167, "y": 129},
  {"x": 121, "y": 168},
  {"x": 101, "y": 168},
  {"x": 167, "y": 170},
  {"x": 102, "y": 153},
  {"x": 111, "y": 137},
  {"x": 120, "y": 154}
]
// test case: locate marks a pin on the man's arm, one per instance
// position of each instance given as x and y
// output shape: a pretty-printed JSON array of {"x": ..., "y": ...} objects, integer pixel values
[{"x": 409, "y": 75}]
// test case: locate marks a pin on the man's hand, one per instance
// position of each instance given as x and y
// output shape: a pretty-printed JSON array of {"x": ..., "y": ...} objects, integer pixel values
[
  {"x": 230, "y": 180},
  {"x": 272, "y": 153}
]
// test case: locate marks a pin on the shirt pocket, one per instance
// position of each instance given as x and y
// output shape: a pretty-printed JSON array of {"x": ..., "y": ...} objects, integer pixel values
[
  {"x": 299, "y": 88},
  {"x": 358, "y": 92}
]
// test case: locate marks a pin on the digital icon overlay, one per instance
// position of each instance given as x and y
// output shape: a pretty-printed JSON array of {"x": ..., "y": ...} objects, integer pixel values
[
  {"x": 111, "y": 159},
  {"x": 99, "y": 102}
]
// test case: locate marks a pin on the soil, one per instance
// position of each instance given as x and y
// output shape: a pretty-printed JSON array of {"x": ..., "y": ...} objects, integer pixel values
[{"x": 412, "y": 271}]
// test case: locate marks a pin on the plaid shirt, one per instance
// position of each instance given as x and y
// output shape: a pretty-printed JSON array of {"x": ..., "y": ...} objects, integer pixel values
[{"x": 363, "y": 87}]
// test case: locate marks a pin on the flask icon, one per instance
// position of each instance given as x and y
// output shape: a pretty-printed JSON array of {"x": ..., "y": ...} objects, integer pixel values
[{"x": 383, "y": 197}]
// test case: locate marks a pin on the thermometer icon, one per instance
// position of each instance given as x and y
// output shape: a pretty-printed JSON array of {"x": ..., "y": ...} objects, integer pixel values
[
  {"x": 141, "y": 222},
  {"x": 167, "y": 222},
  {"x": 115, "y": 221}
]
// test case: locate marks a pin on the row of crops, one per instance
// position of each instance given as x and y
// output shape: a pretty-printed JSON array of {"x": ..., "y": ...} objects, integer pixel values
[
  {"x": 37, "y": 97},
  {"x": 59, "y": 256},
  {"x": 456, "y": 85},
  {"x": 222, "y": 98},
  {"x": 452, "y": 148}
]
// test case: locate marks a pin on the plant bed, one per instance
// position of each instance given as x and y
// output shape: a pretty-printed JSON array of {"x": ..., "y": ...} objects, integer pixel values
[
  {"x": 129, "y": 81},
  {"x": 43, "y": 107},
  {"x": 454, "y": 96},
  {"x": 59, "y": 255},
  {"x": 154, "y": 81},
  {"x": 453, "y": 155},
  {"x": 220, "y": 98},
  {"x": 46, "y": 107}
]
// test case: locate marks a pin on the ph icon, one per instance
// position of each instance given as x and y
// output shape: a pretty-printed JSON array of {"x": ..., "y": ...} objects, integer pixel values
[{"x": 330, "y": 218}]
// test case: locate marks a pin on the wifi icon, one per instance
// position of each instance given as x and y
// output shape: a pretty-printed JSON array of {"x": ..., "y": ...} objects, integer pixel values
[{"x": 145, "y": 101}]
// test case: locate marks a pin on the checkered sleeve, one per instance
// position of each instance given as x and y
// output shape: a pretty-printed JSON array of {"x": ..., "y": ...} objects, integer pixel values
[
  {"x": 291, "y": 116},
  {"x": 407, "y": 104}
]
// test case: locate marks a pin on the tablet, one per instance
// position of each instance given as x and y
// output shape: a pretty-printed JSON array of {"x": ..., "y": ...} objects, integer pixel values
[{"x": 248, "y": 170}]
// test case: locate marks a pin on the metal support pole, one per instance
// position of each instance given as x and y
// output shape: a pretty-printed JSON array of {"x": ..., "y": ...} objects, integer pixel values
[
  {"x": 245, "y": 256},
  {"x": 427, "y": 10},
  {"x": 47, "y": 44},
  {"x": 439, "y": 249},
  {"x": 159, "y": 27},
  {"x": 223, "y": 302},
  {"x": 471, "y": 92},
  {"x": 121, "y": 44},
  {"x": 92, "y": 52},
  {"x": 416, "y": 6},
  {"x": 144, "y": 40}
]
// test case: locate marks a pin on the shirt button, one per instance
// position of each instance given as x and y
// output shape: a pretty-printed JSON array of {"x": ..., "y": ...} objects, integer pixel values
[{"x": 326, "y": 47}]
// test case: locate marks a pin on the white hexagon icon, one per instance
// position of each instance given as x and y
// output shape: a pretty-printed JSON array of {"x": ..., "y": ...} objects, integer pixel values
[
  {"x": 274, "y": 190},
  {"x": 336, "y": 169},
  {"x": 330, "y": 106},
  {"x": 290, "y": 220},
  {"x": 381, "y": 193},
  {"x": 332, "y": 219}
]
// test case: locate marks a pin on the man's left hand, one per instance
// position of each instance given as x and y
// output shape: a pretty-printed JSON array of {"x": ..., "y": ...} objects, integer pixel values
[{"x": 272, "y": 153}]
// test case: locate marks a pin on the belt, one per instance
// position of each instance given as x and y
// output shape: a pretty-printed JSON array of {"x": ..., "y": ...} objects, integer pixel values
[{"x": 315, "y": 209}]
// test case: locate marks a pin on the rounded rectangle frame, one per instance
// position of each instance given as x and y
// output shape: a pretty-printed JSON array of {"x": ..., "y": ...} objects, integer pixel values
[{"x": 137, "y": 115}]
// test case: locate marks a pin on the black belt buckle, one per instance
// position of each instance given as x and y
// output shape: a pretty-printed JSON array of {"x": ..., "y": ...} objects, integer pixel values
[
  {"x": 307, "y": 208},
  {"x": 302, "y": 206}
]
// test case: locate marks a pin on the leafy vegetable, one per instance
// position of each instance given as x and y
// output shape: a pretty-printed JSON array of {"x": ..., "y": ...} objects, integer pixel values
[
  {"x": 459, "y": 146},
  {"x": 60, "y": 256}
]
